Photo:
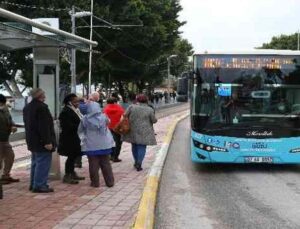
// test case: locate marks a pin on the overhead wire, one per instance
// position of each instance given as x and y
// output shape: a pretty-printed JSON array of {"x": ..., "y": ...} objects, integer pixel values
[
  {"x": 20, "y": 6},
  {"x": 100, "y": 19},
  {"x": 113, "y": 26},
  {"x": 122, "y": 53}
]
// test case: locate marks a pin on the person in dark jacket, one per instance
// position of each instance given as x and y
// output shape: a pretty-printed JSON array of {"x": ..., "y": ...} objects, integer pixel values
[
  {"x": 69, "y": 142},
  {"x": 6, "y": 152},
  {"x": 40, "y": 139},
  {"x": 114, "y": 112}
]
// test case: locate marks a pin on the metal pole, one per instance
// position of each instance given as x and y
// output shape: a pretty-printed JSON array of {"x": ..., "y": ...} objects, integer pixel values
[
  {"x": 91, "y": 47},
  {"x": 73, "y": 57},
  {"x": 169, "y": 80},
  {"x": 298, "y": 41},
  {"x": 34, "y": 71}
]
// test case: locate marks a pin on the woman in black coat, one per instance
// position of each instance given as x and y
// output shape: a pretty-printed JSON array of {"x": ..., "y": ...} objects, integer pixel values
[{"x": 69, "y": 142}]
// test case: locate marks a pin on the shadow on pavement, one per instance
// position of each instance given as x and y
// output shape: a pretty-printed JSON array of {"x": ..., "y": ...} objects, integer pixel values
[{"x": 215, "y": 168}]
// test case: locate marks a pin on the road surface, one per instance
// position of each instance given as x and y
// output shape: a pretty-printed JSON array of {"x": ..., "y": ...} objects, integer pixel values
[{"x": 225, "y": 196}]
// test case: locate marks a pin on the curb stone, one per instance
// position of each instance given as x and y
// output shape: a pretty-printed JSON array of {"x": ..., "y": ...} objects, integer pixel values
[{"x": 146, "y": 211}]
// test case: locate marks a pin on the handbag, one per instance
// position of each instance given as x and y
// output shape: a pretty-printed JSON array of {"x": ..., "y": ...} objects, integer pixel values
[{"x": 123, "y": 127}]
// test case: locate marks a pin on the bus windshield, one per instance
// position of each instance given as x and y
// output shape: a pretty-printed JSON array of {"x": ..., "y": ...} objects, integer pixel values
[{"x": 244, "y": 95}]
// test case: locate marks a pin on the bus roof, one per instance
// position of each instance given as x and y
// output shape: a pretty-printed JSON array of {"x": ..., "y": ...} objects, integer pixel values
[{"x": 252, "y": 52}]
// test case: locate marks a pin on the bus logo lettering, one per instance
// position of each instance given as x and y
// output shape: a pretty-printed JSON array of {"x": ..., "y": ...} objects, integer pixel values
[
  {"x": 259, "y": 145},
  {"x": 258, "y": 133}
]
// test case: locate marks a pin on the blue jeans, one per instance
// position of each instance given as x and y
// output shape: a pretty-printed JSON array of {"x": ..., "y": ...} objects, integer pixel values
[
  {"x": 138, "y": 152},
  {"x": 40, "y": 167}
]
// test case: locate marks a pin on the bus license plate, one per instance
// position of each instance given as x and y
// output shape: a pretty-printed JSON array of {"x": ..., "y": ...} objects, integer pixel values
[{"x": 258, "y": 159}]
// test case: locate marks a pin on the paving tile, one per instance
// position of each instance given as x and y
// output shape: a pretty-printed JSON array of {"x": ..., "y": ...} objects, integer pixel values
[
  {"x": 41, "y": 197},
  {"x": 117, "y": 212},
  {"x": 106, "y": 223},
  {"x": 123, "y": 208},
  {"x": 88, "y": 221},
  {"x": 23, "y": 225},
  {"x": 104, "y": 208},
  {"x": 80, "y": 214},
  {"x": 102, "y": 227},
  {"x": 94, "y": 215},
  {"x": 88, "y": 197},
  {"x": 112, "y": 217},
  {"x": 82, "y": 226},
  {"x": 120, "y": 223},
  {"x": 64, "y": 226},
  {"x": 71, "y": 221},
  {"x": 45, "y": 224}
]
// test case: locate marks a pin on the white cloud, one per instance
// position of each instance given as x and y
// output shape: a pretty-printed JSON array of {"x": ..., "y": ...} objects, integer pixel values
[{"x": 237, "y": 24}]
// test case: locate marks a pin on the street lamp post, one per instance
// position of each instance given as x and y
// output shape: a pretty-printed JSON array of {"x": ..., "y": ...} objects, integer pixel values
[
  {"x": 298, "y": 46},
  {"x": 91, "y": 47},
  {"x": 169, "y": 74},
  {"x": 75, "y": 15},
  {"x": 73, "y": 56}
]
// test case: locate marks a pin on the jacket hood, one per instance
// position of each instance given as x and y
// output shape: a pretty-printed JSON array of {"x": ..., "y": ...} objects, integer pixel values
[
  {"x": 94, "y": 118},
  {"x": 93, "y": 108}
]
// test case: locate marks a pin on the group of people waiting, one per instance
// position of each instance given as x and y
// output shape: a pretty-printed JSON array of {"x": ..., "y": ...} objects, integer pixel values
[
  {"x": 86, "y": 131},
  {"x": 158, "y": 97}
]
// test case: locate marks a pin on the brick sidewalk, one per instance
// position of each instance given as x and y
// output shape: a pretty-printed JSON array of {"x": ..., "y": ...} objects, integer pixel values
[{"x": 80, "y": 206}]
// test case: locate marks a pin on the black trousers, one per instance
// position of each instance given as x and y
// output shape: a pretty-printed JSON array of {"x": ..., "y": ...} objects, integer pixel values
[
  {"x": 78, "y": 160},
  {"x": 1, "y": 192},
  {"x": 70, "y": 164},
  {"x": 116, "y": 150}
]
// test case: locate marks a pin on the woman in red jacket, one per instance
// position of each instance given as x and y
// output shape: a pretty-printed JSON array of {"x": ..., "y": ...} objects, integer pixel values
[{"x": 114, "y": 112}]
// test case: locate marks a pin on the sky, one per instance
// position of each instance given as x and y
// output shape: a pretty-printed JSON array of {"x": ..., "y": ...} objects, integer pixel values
[{"x": 214, "y": 25}]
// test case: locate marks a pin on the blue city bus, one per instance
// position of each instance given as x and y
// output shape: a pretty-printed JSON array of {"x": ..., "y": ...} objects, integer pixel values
[{"x": 245, "y": 107}]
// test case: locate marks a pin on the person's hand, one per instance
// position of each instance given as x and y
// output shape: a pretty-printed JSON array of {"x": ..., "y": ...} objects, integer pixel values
[
  {"x": 48, "y": 147},
  {"x": 14, "y": 129}
]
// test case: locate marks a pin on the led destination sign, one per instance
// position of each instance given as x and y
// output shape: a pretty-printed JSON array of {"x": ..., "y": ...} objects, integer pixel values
[{"x": 249, "y": 62}]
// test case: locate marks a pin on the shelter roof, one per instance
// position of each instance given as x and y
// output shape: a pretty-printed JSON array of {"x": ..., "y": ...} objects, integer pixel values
[
  {"x": 19, "y": 34},
  {"x": 15, "y": 36}
]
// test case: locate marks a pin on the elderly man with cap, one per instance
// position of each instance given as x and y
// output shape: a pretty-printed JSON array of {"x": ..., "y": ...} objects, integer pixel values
[{"x": 41, "y": 141}]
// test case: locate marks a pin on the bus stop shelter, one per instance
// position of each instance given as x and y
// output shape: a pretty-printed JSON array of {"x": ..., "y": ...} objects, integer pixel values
[{"x": 19, "y": 33}]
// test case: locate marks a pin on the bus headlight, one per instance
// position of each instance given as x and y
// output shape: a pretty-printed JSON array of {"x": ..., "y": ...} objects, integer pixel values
[
  {"x": 208, "y": 148},
  {"x": 296, "y": 150}
]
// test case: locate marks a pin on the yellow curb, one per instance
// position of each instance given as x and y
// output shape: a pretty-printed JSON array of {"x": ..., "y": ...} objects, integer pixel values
[
  {"x": 146, "y": 212},
  {"x": 145, "y": 217}
]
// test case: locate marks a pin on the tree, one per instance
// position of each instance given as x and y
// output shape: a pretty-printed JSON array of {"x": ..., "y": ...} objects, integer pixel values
[
  {"x": 183, "y": 49},
  {"x": 133, "y": 54},
  {"x": 289, "y": 42},
  {"x": 15, "y": 67}
]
